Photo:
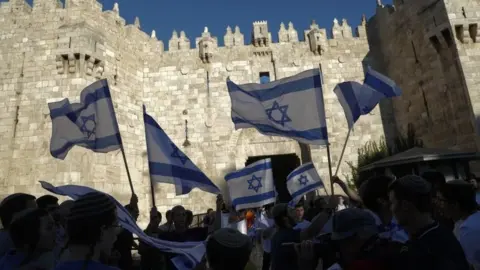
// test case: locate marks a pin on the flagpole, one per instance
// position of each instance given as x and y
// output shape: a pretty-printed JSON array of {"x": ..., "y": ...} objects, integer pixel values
[
  {"x": 343, "y": 151},
  {"x": 328, "y": 143},
  {"x": 122, "y": 149},
  {"x": 126, "y": 167},
  {"x": 152, "y": 189}
]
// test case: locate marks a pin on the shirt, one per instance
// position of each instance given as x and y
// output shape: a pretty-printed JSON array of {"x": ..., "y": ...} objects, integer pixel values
[
  {"x": 6, "y": 243},
  {"x": 435, "y": 248},
  {"x": 11, "y": 260},
  {"x": 284, "y": 257},
  {"x": 79, "y": 265},
  {"x": 467, "y": 233}
]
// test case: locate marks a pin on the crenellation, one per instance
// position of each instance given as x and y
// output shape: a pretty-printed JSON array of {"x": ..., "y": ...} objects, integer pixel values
[{"x": 79, "y": 44}]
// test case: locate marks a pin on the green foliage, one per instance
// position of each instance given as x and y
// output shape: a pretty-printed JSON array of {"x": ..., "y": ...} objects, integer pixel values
[{"x": 374, "y": 151}]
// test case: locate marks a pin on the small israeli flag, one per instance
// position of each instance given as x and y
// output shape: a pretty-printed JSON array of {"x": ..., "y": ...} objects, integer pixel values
[
  {"x": 252, "y": 186},
  {"x": 357, "y": 99},
  {"x": 291, "y": 107},
  {"x": 168, "y": 164},
  {"x": 91, "y": 123},
  {"x": 301, "y": 181}
]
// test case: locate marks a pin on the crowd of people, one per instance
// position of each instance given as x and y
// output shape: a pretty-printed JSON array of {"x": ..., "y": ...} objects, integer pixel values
[{"x": 414, "y": 222}]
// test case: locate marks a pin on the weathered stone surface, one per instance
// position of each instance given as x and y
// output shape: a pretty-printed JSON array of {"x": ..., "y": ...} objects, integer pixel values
[
  {"x": 430, "y": 48},
  {"x": 48, "y": 54}
]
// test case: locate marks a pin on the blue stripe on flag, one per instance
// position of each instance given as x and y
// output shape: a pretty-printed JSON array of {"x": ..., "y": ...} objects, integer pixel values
[
  {"x": 380, "y": 85},
  {"x": 162, "y": 169},
  {"x": 307, "y": 189},
  {"x": 312, "y": 134},
  {"x": 90, "y": 98},
  {"x": 281, "y": 89},
  {"x": 246, "y": 171},
  {"x": 99, "y": 143},
  {"x": 351, "y": 99},
  {"x": 300, "y": 171},
  {"x": 254, "y": 198}
]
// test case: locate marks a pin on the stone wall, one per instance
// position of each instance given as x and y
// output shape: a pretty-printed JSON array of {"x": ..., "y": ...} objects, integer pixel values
[
  {"x": 420, "y": 45},
  {"x": 49, "y": 53}
]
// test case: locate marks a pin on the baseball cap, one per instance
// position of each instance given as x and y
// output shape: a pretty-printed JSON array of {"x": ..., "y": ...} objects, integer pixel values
[{"x": 351, "y": 221}]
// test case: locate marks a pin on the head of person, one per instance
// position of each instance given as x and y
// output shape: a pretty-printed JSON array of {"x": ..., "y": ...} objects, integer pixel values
[
  {"x": 48, "y": 202},
  {"x": 353, "y": 227},
  {"x": 93, "y": 224},
  {"x": 299, "y": 212},
  {"x": 268, "y": 210},
  {"x": 210, "y": 212},
  {"x": 63, "y": 211},
  {"x": 33, "y": 231},
  {"x": 228, "y": 249},
  {"x": 436, "y": 179},
  {"x": 284, "y": 216},
  {"x": 169, "y": 216},
  {"x": 156, "y": 219},
  {"x": 133, "y": 210},
  {"x": 410, "y": 198},
  {"x": 188, "y": 217},
  {"x": 374, "y": 194},
  {"x": 179, "y": 217},
  {"x": 13, "y": 204},
  {"x": 472, "y": 179},
  {"x": 458, "y": 199}
]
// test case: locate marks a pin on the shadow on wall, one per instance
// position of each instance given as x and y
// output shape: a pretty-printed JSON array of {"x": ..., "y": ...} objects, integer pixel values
[{"x": 387, "y": 112}]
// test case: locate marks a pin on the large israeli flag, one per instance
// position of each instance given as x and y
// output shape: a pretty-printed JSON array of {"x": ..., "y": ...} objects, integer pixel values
[
  {"x": 191, "y": 253},
  {"x": 357, "y": 99},
  {"x": 252, "y": 186},
  {"x": 168, "y": 164},
  {"x": 91, "y": 123},
  {"x": 291, "y": 107},
  {"x": 301, "y": 181}
]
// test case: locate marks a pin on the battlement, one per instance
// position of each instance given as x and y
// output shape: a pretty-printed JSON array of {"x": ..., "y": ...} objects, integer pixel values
[{"x": 261, "y": 37}]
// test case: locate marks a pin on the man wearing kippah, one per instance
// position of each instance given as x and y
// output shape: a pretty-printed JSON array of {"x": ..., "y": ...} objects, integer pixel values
[
  {"x": 431, "y": 246},
  {"x": 228, "y": 249}
]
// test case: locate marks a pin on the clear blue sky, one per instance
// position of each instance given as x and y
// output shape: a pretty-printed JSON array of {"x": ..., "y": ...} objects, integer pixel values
[{"x": 193, "y": 15}]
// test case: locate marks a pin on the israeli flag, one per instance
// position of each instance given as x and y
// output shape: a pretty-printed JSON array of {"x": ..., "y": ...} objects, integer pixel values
[
  {"x": 252, "y": 186},
  {"x": 91, "y": 123},
  {"x": 301, "y": 181},
  {"x": 357, "y": 99},
  {"x": 190, "y": 253},
  {"x": 168, "y": 164},
  {"x": 291, "y": 107}
]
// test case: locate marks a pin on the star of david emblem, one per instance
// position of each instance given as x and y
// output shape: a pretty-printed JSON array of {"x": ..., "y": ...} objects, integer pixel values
[
  {"x": 177, "y": 154},
  {"x": 88, "y": 126},
  {"x": 283, "y": 111},
  {"x": 258, "y": 184},
  {"x": 303, "y": 180}
]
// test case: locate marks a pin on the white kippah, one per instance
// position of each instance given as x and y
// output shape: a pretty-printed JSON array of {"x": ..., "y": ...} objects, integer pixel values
[{"x": 230, "y": 238}]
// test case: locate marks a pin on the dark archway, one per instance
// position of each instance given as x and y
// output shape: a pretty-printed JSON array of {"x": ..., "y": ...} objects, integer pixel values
[{"x": 282, "y": 166}]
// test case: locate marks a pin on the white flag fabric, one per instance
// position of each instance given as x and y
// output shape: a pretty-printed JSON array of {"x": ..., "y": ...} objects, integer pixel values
[
  {"x": 301, "y": 181},
  {"x": 252, "y": 186},
  {"x": 357, "y": 99},
  {"x": 91, "y": 123},
  {"x": 291, "y": 107},
  {"x": 191, "y": 252},
  {"x": 168, "y": 164}
]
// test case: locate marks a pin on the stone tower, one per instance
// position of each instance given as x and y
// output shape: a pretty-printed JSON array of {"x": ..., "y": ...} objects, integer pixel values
[
  {"x": 432, "y": 55},
  {"x": 49, "y": 52}
]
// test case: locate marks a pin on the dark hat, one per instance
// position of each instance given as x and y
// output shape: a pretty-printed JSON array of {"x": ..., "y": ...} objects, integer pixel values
[
  {"x": 280, "y": 209},
  {"x": 91, "y": 205},
  {"x": 351, "y": 221}
]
